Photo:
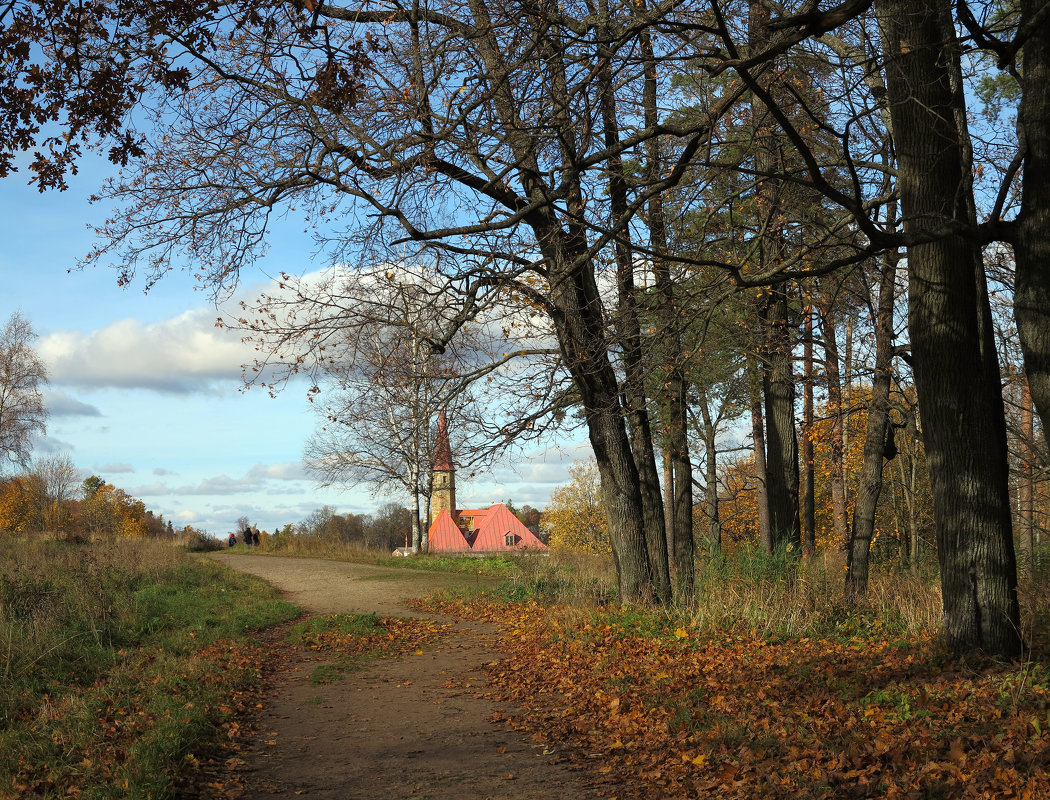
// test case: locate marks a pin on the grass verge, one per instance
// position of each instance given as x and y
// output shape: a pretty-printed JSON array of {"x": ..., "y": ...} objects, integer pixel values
[
  {"x": 119, "y": 661},
  {"x": 315, "y": 547}
]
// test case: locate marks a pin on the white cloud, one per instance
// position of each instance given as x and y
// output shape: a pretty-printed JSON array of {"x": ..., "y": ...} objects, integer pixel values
[
  {"x": 160, "y": 471},
  {"x": 181, "y": 355}
]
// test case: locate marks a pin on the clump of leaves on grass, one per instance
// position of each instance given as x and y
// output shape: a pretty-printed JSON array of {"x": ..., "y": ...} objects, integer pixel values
[
  {"x": 119, "y": 659},
  {"x": 350, "y": 638},
  {"x": 359, "y": 634}
]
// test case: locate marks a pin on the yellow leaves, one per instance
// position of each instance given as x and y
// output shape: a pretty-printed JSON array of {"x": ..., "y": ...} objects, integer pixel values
[
  {"x": 681, "y": 633},
  {"x": 575, "y": 517}
]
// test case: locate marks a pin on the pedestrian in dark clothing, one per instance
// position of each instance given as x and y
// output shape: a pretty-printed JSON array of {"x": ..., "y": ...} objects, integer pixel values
[{"x": 233, "y": 539}]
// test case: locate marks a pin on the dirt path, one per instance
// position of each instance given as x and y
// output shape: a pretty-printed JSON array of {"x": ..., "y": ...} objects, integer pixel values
[{"x": 398, "y": 728}]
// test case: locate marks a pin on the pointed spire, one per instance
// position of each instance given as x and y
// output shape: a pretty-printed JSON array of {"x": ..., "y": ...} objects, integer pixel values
[{"x": 442, "y": 452}]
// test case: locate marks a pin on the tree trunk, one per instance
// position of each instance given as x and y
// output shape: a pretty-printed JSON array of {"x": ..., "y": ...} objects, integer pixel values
[
  {"x": 959, "y": 395},
  {"x": 836, "y": 447},
  {"x": 809, "y": 507},
  {"x": 1032, "y": 239},
  {"x": 1026, "y": 493},
  {"x": 781, "y": 441},
  {"x": 579, "y": 322},
  {"x": 778, "y": 384},
  {"x": 629, "y": 333},
  {"x": 875, "y": 439},
  {"x": 714, "y": 525},
  {"x": 758, "y": 442},
  {"x": 669, "y": 323},
  {"x": 420, "y": 538},
  {"x": 668, "y": 498}
]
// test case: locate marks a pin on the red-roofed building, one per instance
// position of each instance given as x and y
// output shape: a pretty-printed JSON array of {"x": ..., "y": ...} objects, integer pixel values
[
  {"x": 470, "y": 530},
  {"x": 445, "y": 537}
]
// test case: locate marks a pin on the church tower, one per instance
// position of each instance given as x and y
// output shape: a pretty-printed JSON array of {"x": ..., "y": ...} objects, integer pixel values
[{"x": 443, "y": 495}]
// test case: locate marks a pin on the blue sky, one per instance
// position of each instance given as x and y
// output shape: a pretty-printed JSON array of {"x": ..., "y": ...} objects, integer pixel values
[{"x": 146, "y": 392}]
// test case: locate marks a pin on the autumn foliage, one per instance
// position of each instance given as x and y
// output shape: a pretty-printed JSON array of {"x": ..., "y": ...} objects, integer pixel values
[
  {"x": 575, "y": 518},
  {"x": 654, "y": 709}
]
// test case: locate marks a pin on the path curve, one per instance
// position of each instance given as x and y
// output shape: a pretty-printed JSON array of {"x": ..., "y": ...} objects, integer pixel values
[{"x": 414, "y": 727}]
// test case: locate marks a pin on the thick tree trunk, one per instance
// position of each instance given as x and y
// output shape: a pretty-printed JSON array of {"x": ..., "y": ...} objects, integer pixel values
[
  {"x": 578, "y": 316},
  {"x": 959, "y": 396},
  {"x": 1026, "y": 493},
  {"x": 1032, "y": 240},
  {"x": 778, "y": 384},
  {"x": 875, "y": 440},
  {"x": 668, "y": 487},
  {"x": 580, "y": 326},
  {"x": 629, "y": 332}
]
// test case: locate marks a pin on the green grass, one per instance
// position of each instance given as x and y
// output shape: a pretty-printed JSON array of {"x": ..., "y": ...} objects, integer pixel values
[
  {"x": 118, "y": 661},
  {"x": 313, "y": 629},
  {"x": 314, "y": 547}
]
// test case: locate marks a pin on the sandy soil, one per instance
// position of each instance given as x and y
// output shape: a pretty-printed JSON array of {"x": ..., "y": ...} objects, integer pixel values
[{"x": 414, "y": 727}]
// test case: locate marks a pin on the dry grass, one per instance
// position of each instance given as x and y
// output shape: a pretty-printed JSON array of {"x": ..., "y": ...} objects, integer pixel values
[{"x": 57, "y": 597}]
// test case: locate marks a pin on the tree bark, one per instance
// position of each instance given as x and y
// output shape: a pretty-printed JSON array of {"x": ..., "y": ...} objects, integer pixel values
[
  {"x": 809, "y": 508},
  {"x": 959, "y": 395},
  {"x": 714, "y": 524},
  {"x": 758, "y": 441},
  {"x": 1032, "y": 240},
  {"x": 1026, "y": 493},
  {"x": 579, "y": 321},
  {"x": 669, "y": 322},
  {"x": 837, "y": 445},
  {"x": 630, "y": 336},
  {"x": 875, "y": 439},
  {"x": 778, "y": 379}
]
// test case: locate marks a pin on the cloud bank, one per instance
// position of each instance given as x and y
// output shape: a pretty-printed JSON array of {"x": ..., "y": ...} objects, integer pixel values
[{"x": 182, "y": 355}]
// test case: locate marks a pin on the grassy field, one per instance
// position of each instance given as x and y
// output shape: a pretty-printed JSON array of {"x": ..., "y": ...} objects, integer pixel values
[
  {"x": 316, "y": 547},
  {"x": 119, "y": 661}
]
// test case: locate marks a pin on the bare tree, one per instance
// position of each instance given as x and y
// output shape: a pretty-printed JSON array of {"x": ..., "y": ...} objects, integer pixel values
[
  {"x": 59, "y": 480},
  {"x": 366, "y": 338},
  {"x": 22, "y": 377}
]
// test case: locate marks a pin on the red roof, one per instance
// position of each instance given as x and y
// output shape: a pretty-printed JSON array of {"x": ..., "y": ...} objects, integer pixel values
[
  {"x": 442, "y": 451},
  {"x": 496, "y": 530},
  {"x": 445, "y": 537},
  {"x": 501, "y": 530}
]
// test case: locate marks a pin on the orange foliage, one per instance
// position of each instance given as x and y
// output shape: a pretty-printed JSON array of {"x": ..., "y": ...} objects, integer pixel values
[
  {"x": 19, "y": 508},
  {"x": 669, "y": 714},
  {"x": 738, "y": 504}
]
